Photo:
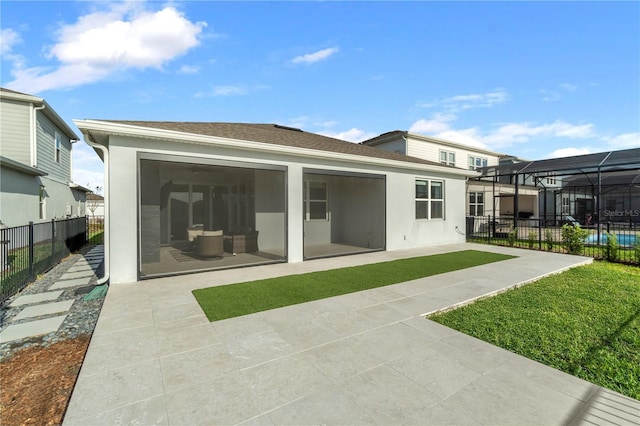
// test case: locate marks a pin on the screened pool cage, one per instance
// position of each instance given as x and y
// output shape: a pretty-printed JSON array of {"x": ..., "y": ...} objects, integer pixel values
[{"x": 596, "y": 191}]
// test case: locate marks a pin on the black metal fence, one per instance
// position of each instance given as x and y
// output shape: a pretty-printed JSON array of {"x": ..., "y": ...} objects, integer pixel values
[
  {"x": 614, "y": 241},
  {"x": 95, "y": 230},
  {"x": 29, "y": 250}
]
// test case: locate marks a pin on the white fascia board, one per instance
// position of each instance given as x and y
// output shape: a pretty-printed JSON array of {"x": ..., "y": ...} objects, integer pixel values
[{"x": 118, "y": 129}]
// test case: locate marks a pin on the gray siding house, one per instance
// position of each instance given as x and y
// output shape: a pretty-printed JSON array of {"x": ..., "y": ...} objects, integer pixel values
[{"x": 35, "y": 162}]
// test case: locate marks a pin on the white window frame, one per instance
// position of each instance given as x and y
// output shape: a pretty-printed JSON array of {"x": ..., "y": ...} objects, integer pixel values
[
  {"x": 430, "y": 200},
  {"x": 477, "y": 162},
  {"x": 308, "y": 200},
  {"x": 448, "y": 157},
  {"x": 566, "y": 205},
  {"x": 474, "y": 203},
  {"x": 57, "y": 146}
]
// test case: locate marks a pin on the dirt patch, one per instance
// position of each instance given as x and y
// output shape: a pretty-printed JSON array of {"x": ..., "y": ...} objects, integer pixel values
[{"x": 36, "y": 383}]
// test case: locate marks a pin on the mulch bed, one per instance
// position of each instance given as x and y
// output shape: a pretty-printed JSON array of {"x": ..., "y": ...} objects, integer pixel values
[{"x": 36, "y": 383}]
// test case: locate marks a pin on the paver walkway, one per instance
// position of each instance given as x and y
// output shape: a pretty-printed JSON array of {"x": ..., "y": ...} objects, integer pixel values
[
  {"x": 361, "y": 358},
  {"x": 43, "y": 313}
]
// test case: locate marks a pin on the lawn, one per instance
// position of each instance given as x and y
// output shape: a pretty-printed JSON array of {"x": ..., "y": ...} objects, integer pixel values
[
  {"x": 245, "y": 298},
  {"x": 585, "y": 322}
]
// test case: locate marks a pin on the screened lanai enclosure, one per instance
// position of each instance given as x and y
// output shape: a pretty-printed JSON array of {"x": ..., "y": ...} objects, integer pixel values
[
  {"x": 599, "y": 192},
  {"x": 196, "y": 216},
  {"x": 344, "y": 213}
]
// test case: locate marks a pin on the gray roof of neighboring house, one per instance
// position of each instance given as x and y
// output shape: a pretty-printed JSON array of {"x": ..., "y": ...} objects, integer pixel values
[{"x": 277, "y": 135}]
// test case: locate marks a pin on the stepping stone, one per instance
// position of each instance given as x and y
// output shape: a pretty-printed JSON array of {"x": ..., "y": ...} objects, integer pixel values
[
  {"x": 45, "y": 309},
  {"x": 31, "y": 329},
  {"x": 80, "y": 268},
  {"x": 80, "y": 274},
  {"x": 70, "y": 283},
  {"x": 31, "y": 299}
]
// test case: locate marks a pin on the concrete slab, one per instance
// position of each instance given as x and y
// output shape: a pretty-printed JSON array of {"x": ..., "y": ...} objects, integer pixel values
[
  {"x": 31, "y": 329},
  {"x": 30, "y": 299},
  {"x": 73, "y": 275},
  {"x": 70, "y": 283},
  {"x": 44, "y": 309},
  {"x": 362, "y": 358}
]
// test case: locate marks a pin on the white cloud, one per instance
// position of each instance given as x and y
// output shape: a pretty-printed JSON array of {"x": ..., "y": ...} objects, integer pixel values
[
  {"x": 624, "y": 141},
  {"x": 569, "y": 152},
  {"x": 189, "y": 69},
  {"x": 8, "y": 39},
  {"x": 231, "y": 90},
  {"x": 568, "y": 87},
  {"x": 311, "y": 58},
  {"x": 555, "y": 95},
  {"x": 475, "y": 100},
  {"x": 437, "y": 124},
  {"x": 105, "y": 42},
  {"x": 351, "y": 135},
  {"x": 502, "y": 136}
]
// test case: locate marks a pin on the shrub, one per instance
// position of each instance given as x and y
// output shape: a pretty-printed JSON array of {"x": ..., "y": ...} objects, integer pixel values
[
  {"x": 573, "y": 237},
  {"x": 531, "y": 240},
  {"x": 511, "y": 236},
  {"x": 548, "y": 239},
  {"x": 612, "y": 249}
]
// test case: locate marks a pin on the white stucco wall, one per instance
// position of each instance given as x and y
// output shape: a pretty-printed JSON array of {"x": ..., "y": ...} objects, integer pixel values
[{"x": 402, "y": 229}]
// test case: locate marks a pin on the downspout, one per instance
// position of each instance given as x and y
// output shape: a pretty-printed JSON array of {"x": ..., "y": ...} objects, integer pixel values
[
  {"x": 34, "y": 134},
  {"x": 105, "y": 153}
]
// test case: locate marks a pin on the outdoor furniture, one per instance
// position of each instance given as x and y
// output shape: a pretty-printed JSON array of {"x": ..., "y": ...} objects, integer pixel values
[
  {"x": 209, "y": 244},
  {"x": 246, "y": 242}
]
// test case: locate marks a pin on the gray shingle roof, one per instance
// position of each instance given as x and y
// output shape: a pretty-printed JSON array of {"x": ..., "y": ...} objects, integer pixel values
[{"x": 276, "y": 135}]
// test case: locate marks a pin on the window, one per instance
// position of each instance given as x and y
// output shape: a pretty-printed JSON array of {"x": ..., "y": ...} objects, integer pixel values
[
  {"x": 429, "y": 199},
  {"x": 42, "y": 202},
  {"x": 58, "y": 142},
  {"x": 448, "y": 158},
  {"x": 315, "y": 201},
  {"x": 477, "y": 162},
  {"x": 551, "y": 180},
  {"x": 565, "y": 205},
  {"x": 476, "y": 203}
]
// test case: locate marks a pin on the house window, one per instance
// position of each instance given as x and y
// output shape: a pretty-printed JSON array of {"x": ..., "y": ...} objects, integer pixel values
[
  {"x": 448, "y": 158},
  {"x": 315, "y": 200},
  {"x": 429, "y": 199},
  {"x": 477, "y": 162},
  {"x": 565, "y": 205},
  {"x": 551, "y": 180},
  {"x": 476, "y": 203},
  {"x": 58, "y": 143},
  {"x": 42, "y": 203}
]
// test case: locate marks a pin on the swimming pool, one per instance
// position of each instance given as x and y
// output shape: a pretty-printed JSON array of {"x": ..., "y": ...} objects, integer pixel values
[{"x": 623, "y": 239}]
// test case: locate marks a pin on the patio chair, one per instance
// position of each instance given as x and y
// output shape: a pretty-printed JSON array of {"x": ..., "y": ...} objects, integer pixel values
[{"x": 210, "y": 244}]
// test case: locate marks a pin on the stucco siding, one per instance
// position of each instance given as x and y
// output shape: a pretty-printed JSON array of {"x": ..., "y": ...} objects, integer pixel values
[
  {"x": 15, "y": 131},
  {"x": 403, "y": 230},
  {"x": 46, "y": 151}
]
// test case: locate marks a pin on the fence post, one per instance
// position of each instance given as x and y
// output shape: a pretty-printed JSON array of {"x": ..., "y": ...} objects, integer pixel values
[
  {"x": 31, "y": 274},
  {"x": 53, "y": 241},
  {"x": 491, "y": 229}
]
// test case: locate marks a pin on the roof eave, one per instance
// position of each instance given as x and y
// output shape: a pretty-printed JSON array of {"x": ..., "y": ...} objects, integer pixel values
[{"x": 118, "y": 129}]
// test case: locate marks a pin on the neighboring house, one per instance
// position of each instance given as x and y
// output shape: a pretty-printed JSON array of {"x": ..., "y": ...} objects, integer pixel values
[
  {"x": 35, "y": 162},
  {"x": 95, "y": 205},
  {"x": 483, "y": 197},
  {"x": 185, "y": 197}
]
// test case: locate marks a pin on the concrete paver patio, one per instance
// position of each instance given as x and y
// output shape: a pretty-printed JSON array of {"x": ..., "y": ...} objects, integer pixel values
[{"x": 361, "y": 358}]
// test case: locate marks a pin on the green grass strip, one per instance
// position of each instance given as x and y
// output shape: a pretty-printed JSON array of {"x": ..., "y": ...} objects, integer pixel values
[
  {"x": 585, "y": 322},
  {"x": 245, "y": 298}
]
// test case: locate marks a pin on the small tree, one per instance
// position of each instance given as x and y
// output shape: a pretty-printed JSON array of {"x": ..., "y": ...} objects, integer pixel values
[
  {"x": 573, "y": 237},
  {"x": 531, "y": 240},
  {"x": 92, "y": 204},
  {"x": 548, "y": 239},
  {"x": 512, "y": 236},
  {"x": 612, "y": 249}
]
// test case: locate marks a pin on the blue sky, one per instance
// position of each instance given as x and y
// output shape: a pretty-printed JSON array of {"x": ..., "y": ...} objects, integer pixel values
[{"x": 532, "y": 79}]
